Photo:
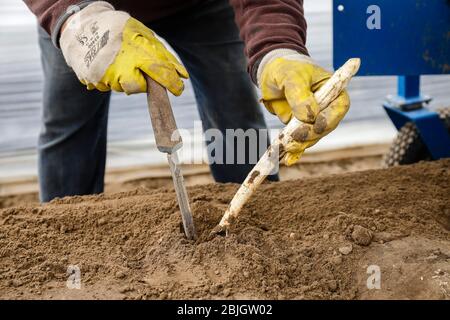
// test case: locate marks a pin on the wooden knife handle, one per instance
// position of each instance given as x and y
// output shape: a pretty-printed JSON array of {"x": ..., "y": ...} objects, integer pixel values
[{"x": 164, "y": 126}]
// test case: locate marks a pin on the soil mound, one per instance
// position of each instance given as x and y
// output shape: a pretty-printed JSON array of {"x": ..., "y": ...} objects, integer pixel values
[{"x": 318, "y": 238}]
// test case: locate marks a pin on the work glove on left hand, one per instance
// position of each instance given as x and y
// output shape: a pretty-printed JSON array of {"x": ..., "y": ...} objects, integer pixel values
[
  {"x": 288, "y": 81},
  {"x": 109, "y": 50}
]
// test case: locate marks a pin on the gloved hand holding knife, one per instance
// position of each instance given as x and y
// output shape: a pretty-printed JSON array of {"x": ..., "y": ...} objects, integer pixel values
[{"x": 110, "y": 50}]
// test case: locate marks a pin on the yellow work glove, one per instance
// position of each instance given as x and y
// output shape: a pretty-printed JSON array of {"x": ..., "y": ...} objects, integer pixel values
[
  {"x": 109, "y": 50},
  {"x": 288, "y": 81}
]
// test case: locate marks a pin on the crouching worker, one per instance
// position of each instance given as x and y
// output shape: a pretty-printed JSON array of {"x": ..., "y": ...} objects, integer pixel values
[{"x": 104, "y": 46}]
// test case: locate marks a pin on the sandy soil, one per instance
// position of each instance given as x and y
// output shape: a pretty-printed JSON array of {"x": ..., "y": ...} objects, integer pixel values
[
  {"x": 301, "y": 170},
  {"x": 314, "y": 238}
]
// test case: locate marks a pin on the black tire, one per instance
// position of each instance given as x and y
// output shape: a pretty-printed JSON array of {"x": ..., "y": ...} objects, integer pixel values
[{"x": 408, "y": 147}]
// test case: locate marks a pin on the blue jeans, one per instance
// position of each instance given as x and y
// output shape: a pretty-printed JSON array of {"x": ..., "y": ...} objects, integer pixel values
[{"x": 72, "y": 143}]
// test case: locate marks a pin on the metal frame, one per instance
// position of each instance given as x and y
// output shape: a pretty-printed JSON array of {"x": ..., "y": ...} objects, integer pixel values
[
  {"x": 409, "y": 106},
  {"x": 409, "y": 40}
]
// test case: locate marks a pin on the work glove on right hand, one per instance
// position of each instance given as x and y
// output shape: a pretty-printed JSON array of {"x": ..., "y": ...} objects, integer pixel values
[
  {"x": 109, "y": 50},
  {"x": 288, "y": 81}
]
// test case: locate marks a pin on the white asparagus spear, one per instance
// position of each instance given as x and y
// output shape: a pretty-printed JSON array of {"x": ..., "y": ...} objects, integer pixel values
[{"x": 324, "y": 96}]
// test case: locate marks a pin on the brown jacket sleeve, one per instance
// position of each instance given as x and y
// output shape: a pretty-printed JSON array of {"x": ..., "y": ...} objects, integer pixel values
[
  {"x": 52, "y": 13},
  {"x": 266, "y": 25}
]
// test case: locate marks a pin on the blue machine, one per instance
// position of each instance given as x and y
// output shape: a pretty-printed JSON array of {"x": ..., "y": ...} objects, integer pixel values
[{"x": 407, "y": 38}]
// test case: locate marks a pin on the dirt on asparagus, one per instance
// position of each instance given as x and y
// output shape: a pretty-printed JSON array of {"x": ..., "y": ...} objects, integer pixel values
[{"x": 332, "y": 237}]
